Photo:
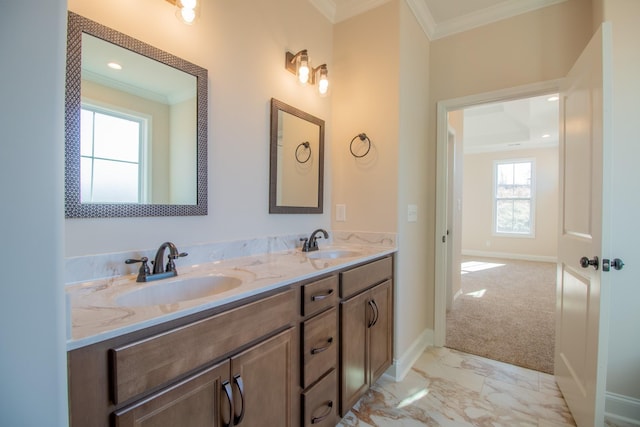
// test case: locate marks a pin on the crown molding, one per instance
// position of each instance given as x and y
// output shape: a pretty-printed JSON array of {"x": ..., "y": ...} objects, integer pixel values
[
  {"x": 504, "y": 10},
  {"x": 327, "y": 8},
  {"x": 424, "y": 17}
]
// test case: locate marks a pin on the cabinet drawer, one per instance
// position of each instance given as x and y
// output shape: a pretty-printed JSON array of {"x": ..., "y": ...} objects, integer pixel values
[
  {"x": 145, "y": 364},
  {"x": 365, "y": 276},
  {"x": 319, "y": 295},
  {"x": 320, "y": 346},
  {"x": 319, "y": 403}
]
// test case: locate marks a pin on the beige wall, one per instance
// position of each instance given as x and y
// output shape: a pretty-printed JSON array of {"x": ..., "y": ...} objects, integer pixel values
[
  {"x": 366, "y": 99},
  {"x": 477, "y": 222},
  {"x": 415, "y": 258},
  {"x": 242, "y": 44}
]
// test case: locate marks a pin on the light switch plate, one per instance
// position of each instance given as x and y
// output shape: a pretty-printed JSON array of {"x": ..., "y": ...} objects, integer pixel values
[
  {"x": 412, "y": 213},
  {"x": 341, "y": 213}
]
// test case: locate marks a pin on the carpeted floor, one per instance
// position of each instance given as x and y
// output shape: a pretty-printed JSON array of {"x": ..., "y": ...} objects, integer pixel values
[{"x": 506, "y": 312}]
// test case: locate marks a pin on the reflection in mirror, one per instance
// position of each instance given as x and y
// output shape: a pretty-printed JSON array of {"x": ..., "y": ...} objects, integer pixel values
[
  {"x": 297, "y": 159},
  {"x": 136, "y": 127}
]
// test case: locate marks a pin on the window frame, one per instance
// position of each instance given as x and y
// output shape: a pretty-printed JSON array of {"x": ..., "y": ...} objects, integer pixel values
[
  {"x": 144, "y": 167},
  {"x": 532, "y": 199}
]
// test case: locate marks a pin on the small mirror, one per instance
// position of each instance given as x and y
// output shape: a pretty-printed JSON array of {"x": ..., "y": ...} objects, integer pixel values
[
  {"x": 296, "y": 160},
  {"x": 136, "y": 127}
]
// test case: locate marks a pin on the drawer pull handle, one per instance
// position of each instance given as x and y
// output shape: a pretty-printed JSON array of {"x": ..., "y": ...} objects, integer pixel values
[
  {"x": 320, "y": 297},
  {"x": 316, "y": 420},
  {"x": 377, "y": 312},
  {"x": 237, "y": 419},
  {"x": 227, "y": 391},
  {"x": 321, "y": 349},
  {"x": 374, "y": 310}
]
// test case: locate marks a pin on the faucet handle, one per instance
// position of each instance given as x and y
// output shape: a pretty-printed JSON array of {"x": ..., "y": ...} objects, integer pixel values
[
  {"x": 305, "y": 244},
  {"x": 176, "y": 256},
  {"x": 171, "y": 266},
  {"x": 144, "y": 268}
]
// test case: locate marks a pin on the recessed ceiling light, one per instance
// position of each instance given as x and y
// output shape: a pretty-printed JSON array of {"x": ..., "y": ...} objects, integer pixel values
[
  {"x": 553, "y": 98},
  {"x": 114, "y": 66},
  {"x": 546, "y": 135}
]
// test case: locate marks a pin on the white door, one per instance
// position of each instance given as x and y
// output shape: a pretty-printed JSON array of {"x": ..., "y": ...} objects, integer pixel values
[{"x": 582, "y": 293}]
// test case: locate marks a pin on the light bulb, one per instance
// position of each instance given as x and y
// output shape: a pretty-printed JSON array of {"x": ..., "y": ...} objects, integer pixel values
[
  {"x": 303, "y": 68},
  {"x": 188, "y": 4},
  {"x": 188, "y": 15},
  {"x": 323, "y": 82}
]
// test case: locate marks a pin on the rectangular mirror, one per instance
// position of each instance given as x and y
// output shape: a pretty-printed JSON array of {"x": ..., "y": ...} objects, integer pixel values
[
  {"x": 296, "y": 160},
  {"x": 136, "y": 127}
]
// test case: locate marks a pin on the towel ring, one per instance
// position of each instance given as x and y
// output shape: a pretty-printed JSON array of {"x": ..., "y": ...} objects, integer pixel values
[
  {"x": 363, "y": 137},
  {"x": 304, "y": 144}
]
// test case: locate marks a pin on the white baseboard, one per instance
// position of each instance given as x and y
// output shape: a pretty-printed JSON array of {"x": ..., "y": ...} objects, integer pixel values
[
  {"x": 507, "y": 255},
  {"x": 401, "y": 366},
  {"x": 622, "y": 408}
]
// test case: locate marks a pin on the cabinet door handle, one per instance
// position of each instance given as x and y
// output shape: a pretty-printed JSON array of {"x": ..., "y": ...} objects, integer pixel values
[
  {"x": 317, "y": 350},
  {"x": 376, "y": 312},
  {"x": 373, "y": 311},
  {"x": 316, "y": 420},
  {"x": 320, "y": 297},
  {"x": 237, "y": 380},
  {"x": 226, "y": 386}
]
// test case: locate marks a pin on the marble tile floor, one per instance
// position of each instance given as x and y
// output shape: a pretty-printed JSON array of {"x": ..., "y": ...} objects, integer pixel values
[{"x": 448, "y": 388}]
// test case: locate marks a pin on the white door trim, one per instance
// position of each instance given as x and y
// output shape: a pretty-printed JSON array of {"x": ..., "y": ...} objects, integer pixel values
[{"x": 442, "y": 126}]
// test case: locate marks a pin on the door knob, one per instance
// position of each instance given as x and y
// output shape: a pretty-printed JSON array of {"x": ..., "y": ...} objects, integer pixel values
[
  {"x": 586, "y": 262},
  {"x": 616, "y": 263}
]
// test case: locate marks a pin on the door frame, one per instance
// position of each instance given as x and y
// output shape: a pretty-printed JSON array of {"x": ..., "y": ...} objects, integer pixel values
[{"x": 442, "y": 262}]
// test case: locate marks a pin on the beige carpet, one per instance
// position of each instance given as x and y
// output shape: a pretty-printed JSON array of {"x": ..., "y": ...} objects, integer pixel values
[{"x": 506, "y": 312}]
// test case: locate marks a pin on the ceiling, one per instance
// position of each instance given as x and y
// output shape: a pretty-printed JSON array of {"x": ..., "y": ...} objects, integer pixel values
[
  {"x": 439, "y": 18},
  {"x": 511, "y": 125}
]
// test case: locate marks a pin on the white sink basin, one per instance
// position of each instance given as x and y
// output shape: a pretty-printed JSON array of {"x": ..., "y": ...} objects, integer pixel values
[
  {"x": 161, "y": 292},
  {"x": 333, "y": 254}
]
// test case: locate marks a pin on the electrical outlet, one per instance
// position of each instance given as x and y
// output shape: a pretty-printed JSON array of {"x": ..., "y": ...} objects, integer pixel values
[{"x": 341, "y": 213}]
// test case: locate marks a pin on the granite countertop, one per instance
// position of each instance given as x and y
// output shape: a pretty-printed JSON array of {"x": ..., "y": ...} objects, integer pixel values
[{"x": 95, "y": 314}]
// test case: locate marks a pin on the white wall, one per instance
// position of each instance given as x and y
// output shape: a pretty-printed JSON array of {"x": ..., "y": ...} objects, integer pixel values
[
  {"x": 242, "y": 44},
  {"x": 32, "y": 319},
  {"x": 477, "y": 222}
]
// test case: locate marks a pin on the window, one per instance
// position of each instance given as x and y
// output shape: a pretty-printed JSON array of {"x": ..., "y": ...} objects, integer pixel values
[
  {"x": 514, "y": 197},
  {"x": 111, "y": 154}
]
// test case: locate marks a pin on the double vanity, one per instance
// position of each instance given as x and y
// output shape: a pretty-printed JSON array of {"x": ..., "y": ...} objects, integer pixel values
[{"x": 286, "y": 338}]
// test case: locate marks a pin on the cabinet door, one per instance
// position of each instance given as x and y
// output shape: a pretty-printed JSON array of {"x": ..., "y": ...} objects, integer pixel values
[
  {"x": 262, "y": 383},
  {"x": 195, "y": 402},
  {"x": 380, "y": 332},
  {"x": 355, "y": 315}
]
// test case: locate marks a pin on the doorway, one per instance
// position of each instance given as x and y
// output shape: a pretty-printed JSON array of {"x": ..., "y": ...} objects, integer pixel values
[{"x": 481, "y": 138}]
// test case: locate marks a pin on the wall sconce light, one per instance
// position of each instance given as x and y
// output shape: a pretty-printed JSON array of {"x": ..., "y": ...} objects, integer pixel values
[
  {"x": 188, "y": 10},
  {"x": 300, "y": 65}
]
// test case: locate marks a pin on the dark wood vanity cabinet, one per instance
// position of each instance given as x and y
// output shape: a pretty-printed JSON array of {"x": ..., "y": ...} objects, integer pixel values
[
  {"x": 298, "y": 357},
  {"x": 231, "y": 368},
  {"x": 366, "y": 328},
  {"x": 319, "y": 343}
]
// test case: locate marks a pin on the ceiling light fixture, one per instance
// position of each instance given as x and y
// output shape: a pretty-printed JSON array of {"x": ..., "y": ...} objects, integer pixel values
[
  {"x": 553, "y": 98},
  {"x": 188, "y": 10},
  {"x": 300, "y": 65},
  {"x": 114, "y": 66}
]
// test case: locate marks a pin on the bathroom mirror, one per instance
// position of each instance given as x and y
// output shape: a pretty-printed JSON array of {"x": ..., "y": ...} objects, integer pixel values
[
  {"x": 296, "y": 160},
  {"x": 135, "y": 127}
]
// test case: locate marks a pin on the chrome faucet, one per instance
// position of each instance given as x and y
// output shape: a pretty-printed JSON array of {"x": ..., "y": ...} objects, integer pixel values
[
  {"x": 159, "y": 272},
  {"x": 311, "y": 244}
]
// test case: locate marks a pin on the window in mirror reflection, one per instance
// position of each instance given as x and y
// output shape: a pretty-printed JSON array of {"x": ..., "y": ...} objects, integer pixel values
[{"x": 112, "y": 149}]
